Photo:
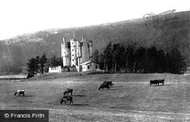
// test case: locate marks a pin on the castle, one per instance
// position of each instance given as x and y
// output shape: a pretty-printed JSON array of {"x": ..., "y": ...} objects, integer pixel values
[{"x": 78, "y": 53}]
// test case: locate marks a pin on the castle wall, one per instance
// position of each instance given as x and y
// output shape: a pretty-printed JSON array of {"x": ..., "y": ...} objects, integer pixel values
[{"x": 55, "y": 69}]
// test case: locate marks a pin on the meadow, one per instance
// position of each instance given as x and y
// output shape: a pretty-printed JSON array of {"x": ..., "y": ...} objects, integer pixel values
[{"x": 131, "y": 99}]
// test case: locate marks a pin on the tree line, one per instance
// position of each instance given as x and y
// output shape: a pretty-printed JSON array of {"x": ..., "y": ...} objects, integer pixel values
[
  {"x": 41, "y": 64},
  {"x": 137, "y": 59},
  {"x": 120, "y": 58}
]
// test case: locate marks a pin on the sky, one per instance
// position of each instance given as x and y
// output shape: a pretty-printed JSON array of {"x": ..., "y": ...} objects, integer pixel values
[{"x": 28, "y": 16}]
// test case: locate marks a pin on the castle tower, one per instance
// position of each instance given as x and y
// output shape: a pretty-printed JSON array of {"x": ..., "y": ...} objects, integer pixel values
[
  {"x": 73, "y": 52},
  {"x": 78, "y": 49},
  {"x": 90, "y": 43},
  {"x": 85, "y": 50},
  {"x": 65, "y": 54},
  {"x": 78, "y": 52}
]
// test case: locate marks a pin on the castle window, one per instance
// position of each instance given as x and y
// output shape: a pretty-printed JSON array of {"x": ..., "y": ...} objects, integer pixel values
[{"x": 88, "y": 67}]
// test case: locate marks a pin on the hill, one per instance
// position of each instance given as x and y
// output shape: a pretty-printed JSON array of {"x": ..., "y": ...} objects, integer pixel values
[{"x": 164, "y": 32}]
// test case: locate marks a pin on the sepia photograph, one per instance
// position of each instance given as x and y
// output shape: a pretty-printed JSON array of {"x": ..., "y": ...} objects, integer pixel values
[{"x": 94, "y": 61}]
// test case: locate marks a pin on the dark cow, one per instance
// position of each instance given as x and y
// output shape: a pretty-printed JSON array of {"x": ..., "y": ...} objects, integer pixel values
[
  {"x": 67, "y": 99},
  {"x": 102, "y": 86},
  {"x": 68, "y": 91},
  {"x": 157, "y": 82},
  {"x": 19, "y": 92},
  {"x": 109, "y": 83}
]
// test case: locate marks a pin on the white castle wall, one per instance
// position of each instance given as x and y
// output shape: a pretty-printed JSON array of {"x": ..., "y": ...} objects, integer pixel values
[
  {"x": 65, "y": 53},
  {"x": 55, "y": 69}
]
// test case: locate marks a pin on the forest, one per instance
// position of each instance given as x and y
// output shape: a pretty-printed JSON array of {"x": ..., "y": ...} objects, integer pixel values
[
  {"x": 169, "y": 52},
  {"x": 137, "y": 59}
]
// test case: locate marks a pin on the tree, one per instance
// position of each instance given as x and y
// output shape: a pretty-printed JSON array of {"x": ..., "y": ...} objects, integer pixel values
[
  {"x": 101, "y": 61},
  {"x": 119, "y": 59},
  {"x": 54, "y": 61},
  {"x": 176, "y": 62},
  {"x": 151, "y": 59},
  {"x": 43, "y": 61},
  {"x": 130, "y": 57},
  {"x": 140, "y": 58},
  {"x": 161, "y": 61},
  {"x": 108, "y": 57},
  {"x": 116, "y": 58},
  {"x": 33, "y": 66}
]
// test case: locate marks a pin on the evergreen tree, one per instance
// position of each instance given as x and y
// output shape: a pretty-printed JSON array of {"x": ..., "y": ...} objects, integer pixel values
[
  {"x": 43, "y": 61},
  {"x": 54, "y": 61},
  {"x": 140, "y": 58},
  {"x": 33, "y": 66},
  {"x": 108, "y": 57},
  {"x": 147, "y": 60},
  {"x": 118, "y": 57},
  {"x": 176, "y": 62},
  {"x": 130, "y": 58}
]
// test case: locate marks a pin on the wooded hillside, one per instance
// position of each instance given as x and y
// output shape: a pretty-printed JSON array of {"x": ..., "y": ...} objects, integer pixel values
[{"x": 163, "y": 32}]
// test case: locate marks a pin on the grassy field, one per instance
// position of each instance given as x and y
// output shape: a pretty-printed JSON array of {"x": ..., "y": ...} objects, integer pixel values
[{"x": 131, "y": 99}]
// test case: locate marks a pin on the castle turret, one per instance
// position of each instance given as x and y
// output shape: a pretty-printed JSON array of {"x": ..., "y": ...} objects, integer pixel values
[
  {"x": 65, "y": 54},
  {"x": 90, "y": 43}
]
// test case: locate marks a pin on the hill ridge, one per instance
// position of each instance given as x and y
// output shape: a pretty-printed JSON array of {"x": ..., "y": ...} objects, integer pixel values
[{"x": 143, "y": 33}]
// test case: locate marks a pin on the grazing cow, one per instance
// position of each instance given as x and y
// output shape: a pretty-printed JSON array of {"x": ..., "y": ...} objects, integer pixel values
[
  {"x": 68, "y": 91},
  {"x": 157, "y": 82},
  {"x": 109, "y": 83},
  {"x": 66, "y": 99},
  {"x": 102, "y": 86},
  {"x": 19, "y": 92}
]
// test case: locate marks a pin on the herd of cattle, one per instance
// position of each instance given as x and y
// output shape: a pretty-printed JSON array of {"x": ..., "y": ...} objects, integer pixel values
[{"x": 67, "y": 94}]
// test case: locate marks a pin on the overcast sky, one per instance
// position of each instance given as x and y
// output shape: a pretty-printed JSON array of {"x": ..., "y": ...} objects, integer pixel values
[{"x": 28, "y": 16}]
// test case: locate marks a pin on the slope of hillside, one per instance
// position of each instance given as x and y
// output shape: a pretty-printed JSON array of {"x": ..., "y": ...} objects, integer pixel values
[
  {"x": 116, "y": 77},
  {"x": 165, "y": 32}
]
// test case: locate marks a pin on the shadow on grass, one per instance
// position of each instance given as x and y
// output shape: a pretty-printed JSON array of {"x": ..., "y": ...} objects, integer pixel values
[
  {"x": 79, "y": 95},
  {"x": 108, "y": 89},
  {"x": 74, "y": 104},
  {"x": 161, "y": 85},
  {"x": 117, "y": 86},
  {"x": 77, "y": 104},
  {"x": 114, "y": 89},
  {"x": 168, "y": 84},
  {"x": 104, "y": 89},
  {"x": 24, "y": 96}
]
